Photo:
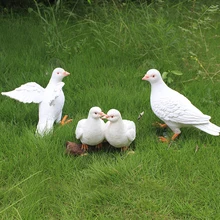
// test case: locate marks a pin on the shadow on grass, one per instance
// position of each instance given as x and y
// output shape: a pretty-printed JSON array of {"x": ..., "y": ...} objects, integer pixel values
[{"x": 74, "y": 149}]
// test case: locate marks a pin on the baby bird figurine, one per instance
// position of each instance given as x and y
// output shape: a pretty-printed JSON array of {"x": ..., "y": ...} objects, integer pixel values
[
  {"x": 118, "y": 132},
  {"x": 90, "y": 131}
]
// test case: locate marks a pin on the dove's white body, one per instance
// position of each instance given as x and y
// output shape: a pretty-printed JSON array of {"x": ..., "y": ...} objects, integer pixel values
[
  {"x": 119, "y": 133},
  {"x": 51, "y": 100},
  {"x": 175, "y": 109},
  {"x": 90, "y": 131},
  {"x": 50, "y": 108}
]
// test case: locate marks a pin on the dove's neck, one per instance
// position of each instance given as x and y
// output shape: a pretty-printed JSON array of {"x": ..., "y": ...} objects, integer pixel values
[
  {"x": 52, "y": 82},
  {"x": 159, "y": 88},
  {"x": 94, "y": 122},
  {"x": 92, "y": 119}
]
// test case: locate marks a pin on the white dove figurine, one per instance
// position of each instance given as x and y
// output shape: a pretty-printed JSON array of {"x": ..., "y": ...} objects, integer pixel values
[
  {"x": 90, "y": 131},
  {"x": 118, "y": 132},
  {"x": 50, "y": 99},
  {"x": 175, "y": 109}
]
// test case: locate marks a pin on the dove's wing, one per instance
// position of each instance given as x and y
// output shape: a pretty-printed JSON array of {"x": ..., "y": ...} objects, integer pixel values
[
  {"x": 79, "y": 128},
  {"x": 57, "y": 90},
  {"x": 177, "y": 108},
  {"x": 131, "y": 130},
  {"x": 27, "y": 93}
]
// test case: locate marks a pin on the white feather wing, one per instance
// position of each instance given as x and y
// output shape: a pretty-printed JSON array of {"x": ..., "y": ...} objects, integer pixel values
[
  {"x": 79, "y": 128},
  {"x": 27, "y": 93},
  {"x": 177, "y": 108},
  {"x": 130, "y": 129}
]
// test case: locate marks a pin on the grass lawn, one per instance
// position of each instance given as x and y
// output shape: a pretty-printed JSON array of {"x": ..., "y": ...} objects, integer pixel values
[{"x": 107, "y": 52}]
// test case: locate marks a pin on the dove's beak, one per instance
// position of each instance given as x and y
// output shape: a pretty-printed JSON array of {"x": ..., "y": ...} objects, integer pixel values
[
  {"x": 105, "y": 116},
  {"x": 146, "y": 77},
  {"x": 66, "y": 73},
  {"x": 102, "y": 114}
]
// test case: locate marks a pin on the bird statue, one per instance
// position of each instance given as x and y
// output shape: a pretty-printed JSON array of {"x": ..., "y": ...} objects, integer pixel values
[
  {"x": 118, "y": 132},
  {"x": 50, "y": 99},
  {"x": 90, "y": 131},
  {"x": 175, "y": 109}
]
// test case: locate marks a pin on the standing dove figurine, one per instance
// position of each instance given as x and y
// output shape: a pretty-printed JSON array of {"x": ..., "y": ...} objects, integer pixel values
[
  {"x": 50, "y": 99},
  {"x": 118, "y": 132},
  {"x": 175, "y": 109},
  {"x": 90, "y": 131}
]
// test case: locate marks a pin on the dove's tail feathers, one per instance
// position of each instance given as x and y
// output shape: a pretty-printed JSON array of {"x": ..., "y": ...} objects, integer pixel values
[
  {"x": 44, "y": 128},
  {"x": 209, "y": 128}
]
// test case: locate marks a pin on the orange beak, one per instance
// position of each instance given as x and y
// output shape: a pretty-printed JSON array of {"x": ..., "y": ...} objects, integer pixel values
[
  {"x": 105, "y": 116},
  {"x": 102, "y": 114},
  {"x": 66, "y": 73},
  {"x": 146, "y": 77}
]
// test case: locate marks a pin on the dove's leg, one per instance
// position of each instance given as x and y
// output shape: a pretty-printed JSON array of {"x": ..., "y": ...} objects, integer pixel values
[
  {"x": 165, "y": 140},
  {"x": 161, "y": 138},
  {"x": 64, "y": 121},
  {"x": 174, "y": 137},
  {"x": 84, "y": 147},
  {"x": 176, "y": 130},
  {"x": 157, "y": 124},
  {"x": 99, "y": 146}
]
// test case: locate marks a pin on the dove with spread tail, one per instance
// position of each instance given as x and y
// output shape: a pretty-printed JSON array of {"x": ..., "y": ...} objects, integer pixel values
[
  {"x": 50, "y": 99},
  {"x": 175, "y": 109}
]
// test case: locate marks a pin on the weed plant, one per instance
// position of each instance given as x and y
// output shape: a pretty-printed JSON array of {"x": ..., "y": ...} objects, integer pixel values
[{"x": 107, "y": 52}]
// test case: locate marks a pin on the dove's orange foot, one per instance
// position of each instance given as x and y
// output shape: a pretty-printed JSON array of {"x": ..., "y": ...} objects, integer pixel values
[
  {"x": 165, "y": 140},
  {"x": 84, "y": 147},
  {"x": 64, "y": 121},
  {"x": 174, "y": 137},
  {"x": 157, "y": 124}
]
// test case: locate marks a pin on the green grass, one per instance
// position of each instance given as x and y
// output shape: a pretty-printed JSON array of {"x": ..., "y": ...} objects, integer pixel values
[{"x": 107, "y": 54}]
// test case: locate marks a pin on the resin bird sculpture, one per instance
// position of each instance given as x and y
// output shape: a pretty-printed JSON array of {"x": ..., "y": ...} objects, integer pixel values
[
  {"x": 50, "y": 99},
  {"x": 90, "y": 130},
  {"x": 175, "y": 109},
  {"x": 118, "y": 132}
]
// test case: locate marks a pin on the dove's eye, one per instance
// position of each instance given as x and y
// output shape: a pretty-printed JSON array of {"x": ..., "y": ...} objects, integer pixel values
[
  {"x": 112, "y": 116},
  {"x": 153, "y": 76},
  {"x": 58, "y": 73}
]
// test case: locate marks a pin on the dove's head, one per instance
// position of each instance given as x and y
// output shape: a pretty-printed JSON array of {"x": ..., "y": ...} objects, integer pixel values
[
  {"x": 152, "y": 76},
  {"x": 113, "y": 115},
  {"x": 58, "y": 74},
  {"x": 95, "y": 112}
]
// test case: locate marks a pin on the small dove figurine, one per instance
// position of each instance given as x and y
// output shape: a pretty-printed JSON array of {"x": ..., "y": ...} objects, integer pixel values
[
  {"x": 90, "y": 131},
  {"x": 118, "y": 132}
]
